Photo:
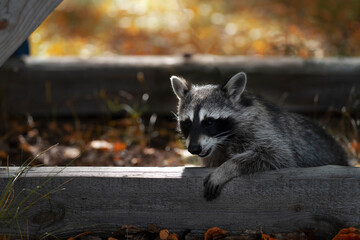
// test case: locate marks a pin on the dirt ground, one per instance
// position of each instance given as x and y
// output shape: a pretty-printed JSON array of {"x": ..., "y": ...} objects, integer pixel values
[
  {"x": 123, "y": 141},
  {"x": 146, "y": 141}
]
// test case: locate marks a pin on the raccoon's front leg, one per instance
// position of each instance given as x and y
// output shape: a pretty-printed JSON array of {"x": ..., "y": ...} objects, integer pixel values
[
  {"x": 246, "y": 162},
  {"x": 214, "y": 182}
]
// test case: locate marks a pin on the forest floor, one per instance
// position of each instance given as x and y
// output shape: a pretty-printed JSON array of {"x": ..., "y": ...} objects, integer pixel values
[
  {"x": 123, "y": 141},
  {"x": 93, "y": 142}
]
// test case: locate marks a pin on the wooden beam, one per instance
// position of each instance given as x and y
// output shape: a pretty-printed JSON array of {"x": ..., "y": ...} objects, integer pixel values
[
  {"x": 18, "y": 19},
  {"x": 104, "y": 198},
  {"x": 64, "y": 86}
]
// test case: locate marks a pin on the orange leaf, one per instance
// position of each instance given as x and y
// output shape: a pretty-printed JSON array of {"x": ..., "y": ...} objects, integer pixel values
[
  {"x": 3, "y": 154},
  {"x": 348, "y": 234},
  {"x": 355, "y": 146},
  {"x": 119, "y": 146},
  {"x": 164, "y": 234},
  {"x": 266, "y": 237},
  {"x": 173, "y": 236},
  {"x": 215, "y": 233}
]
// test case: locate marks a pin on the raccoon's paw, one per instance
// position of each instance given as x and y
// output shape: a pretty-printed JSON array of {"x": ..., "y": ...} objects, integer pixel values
[{"x": 212, "y": 187}]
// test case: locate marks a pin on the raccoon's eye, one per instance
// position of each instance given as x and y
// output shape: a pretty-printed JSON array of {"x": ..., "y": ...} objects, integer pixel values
[
  {"x": 209, "y": 122},
  {"x": 187, "y": 123}
]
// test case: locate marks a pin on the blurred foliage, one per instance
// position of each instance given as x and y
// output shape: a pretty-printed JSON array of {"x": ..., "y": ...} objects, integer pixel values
[{"x": 308, "y": 28}]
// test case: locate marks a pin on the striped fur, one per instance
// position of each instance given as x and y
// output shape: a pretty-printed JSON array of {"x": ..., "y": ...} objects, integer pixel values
[{"x": 240, "y": 133}]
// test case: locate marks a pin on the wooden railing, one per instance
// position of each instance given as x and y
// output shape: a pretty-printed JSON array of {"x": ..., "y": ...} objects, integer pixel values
[
  {"x": 98, "y": 86},
  {"x": 321, "y": 199}
]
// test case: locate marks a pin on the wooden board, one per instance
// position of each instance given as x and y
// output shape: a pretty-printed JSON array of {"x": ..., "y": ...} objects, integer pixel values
[
  {"x": 18, "y": 19},
  {"x": 104, "y": 198},
  {"x": 68, "y": 86}
]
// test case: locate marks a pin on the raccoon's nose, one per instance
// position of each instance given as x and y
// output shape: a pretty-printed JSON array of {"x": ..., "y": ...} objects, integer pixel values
[{"x": 194, "y": 149}]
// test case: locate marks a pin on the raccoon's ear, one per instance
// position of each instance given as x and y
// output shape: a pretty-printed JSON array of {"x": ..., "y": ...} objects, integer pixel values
[
  {"x": 180, "y": 86},
  {"x": 235, "y": 86}
]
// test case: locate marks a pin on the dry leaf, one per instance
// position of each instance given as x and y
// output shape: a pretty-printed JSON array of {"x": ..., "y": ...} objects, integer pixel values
[
  {"x": 53, "y": 126},
  {"x": 111, "y": 238},
  {"x": 355, "y": 146},
  {"x": 153, "y": 228},
  {"x": 173, "y": 236},
  {"x": 135, "y": 161},
  {"x": 3, "y": 154},
  {"x": 149, "y": 151},
  {"x": 26, "y": 147},
  {"x": 101, "y": 145},
  {"x": 68, "y": 128},
  {"x": 119, "y": 146},
  {"x": 215, "y": 233},
  {"x": 266, "y": 237},
  {"x": 164, "y": 234},
  {"x": 348, "y": 234}
]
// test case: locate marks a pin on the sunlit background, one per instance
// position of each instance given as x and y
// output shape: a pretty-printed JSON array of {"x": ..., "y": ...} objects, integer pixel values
[
  {"x": 121, "y": 115},
  {"x": 308, "y": 28}
]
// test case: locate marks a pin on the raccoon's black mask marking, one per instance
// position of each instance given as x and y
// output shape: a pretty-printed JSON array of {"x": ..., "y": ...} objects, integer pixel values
[{"x": 208, "y": 126}]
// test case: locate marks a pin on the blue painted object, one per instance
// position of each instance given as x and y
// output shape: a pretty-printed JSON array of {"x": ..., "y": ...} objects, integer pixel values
[{"x": 24, "y": 49}]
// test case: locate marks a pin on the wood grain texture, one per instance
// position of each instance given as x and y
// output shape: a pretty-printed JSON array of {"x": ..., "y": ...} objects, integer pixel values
[
  {"x": 63, "y": 86},
  {"x": 20, "y": 18},
  {"x": 104, "y": 198}
]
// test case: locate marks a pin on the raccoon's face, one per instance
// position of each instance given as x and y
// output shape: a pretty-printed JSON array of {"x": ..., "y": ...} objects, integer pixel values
[
  {"x": 205, "y": 131},
  {"x": 206, "y": 113}
]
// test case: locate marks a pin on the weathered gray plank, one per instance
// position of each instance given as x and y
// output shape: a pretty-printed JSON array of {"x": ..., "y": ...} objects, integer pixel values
[
  {"x": 104, "y": 198},
  {"x": 18, "y": 19},
  {"x": 64, "y": 86}
]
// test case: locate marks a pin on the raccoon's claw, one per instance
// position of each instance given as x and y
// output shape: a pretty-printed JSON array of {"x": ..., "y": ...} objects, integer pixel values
[{"x": 211, "y": 190}]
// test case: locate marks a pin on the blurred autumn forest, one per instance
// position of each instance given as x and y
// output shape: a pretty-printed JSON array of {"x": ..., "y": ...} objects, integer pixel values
[
  {"x": 89, "y": 28},
  {"x": 308, "y": 28}
]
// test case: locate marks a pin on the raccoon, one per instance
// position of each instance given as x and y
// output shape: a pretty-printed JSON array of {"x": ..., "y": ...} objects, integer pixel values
[{"x": 240, "y": 133}]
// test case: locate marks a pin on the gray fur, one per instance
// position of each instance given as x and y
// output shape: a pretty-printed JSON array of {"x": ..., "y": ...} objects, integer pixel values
[
  {"x": 263, "y": 136},
  {"x": 236, "y": 86}
]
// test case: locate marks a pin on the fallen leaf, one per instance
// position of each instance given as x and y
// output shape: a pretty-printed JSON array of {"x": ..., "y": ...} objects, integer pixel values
[
  {"x": 164, "y": 234},
  {"x": 348, "y": 234},
  {"x": 149, "y": 151},
  {"x": 153, "y": 228},
  {"x": 3, "y": 154},
  {"x": 119, "y": 146},
  {"x": 173, "y": 236},
  {"x": 215, "y": 233},
  {"x": 355, "y": 145},
  {"x": 71, "y": 152},
  {"x": 355, "y": 148},
  {"x": 266, "y": 237},
  {"x": 135, "y": 161},
  {"x": 68, "y": 127},
  {"x": 26, "y": 147},
  {"x": 111, "y": 238},
  {"x": 101, "y": 145},
  {"x": 53, "y": 126}
]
